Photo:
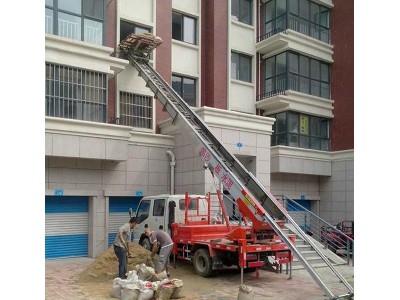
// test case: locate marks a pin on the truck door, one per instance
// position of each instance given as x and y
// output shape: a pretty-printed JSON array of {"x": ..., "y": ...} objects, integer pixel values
[{"x": 158, "y": 222}]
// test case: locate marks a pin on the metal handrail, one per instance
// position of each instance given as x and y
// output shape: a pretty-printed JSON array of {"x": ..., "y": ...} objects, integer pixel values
[{"x": 341, "y": 239}]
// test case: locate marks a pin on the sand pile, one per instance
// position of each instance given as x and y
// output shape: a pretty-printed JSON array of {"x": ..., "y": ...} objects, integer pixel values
[{"x": 105, "y": 267}]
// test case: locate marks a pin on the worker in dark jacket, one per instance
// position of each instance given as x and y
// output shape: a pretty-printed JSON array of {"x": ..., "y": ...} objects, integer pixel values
[
  {"x": 160, "y": 239},
  {"x": 121, "y": 246}
]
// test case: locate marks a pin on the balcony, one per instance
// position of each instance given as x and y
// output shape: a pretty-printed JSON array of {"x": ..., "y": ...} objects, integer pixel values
[
  {"x": 298, "y": 35},
  {"x": 281, "y": 100}
]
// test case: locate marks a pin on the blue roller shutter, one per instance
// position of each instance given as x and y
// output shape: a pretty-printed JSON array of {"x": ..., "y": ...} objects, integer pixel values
[
  {"x": 67, "y": 226},
  {"x": 118, "y": 214}
]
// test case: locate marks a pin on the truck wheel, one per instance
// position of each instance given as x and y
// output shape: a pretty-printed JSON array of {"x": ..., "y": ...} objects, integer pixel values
[
  {"x": 202, "y": 262},
  {"x": 145, "y": 243}
]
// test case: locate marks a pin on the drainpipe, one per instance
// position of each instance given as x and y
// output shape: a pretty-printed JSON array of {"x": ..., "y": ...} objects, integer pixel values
[{"x": 172, "y": 165}]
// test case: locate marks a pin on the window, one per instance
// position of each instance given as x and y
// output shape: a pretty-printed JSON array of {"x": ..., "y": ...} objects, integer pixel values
[
  {"x": 75, "y": 93},
  {"x": 241, "y": 67},
  {"x": 192, "y": 204},
  {"x": 300, "y": 130},
  {"x": 76, "y": 19},
  {"x": 143, "y": 211},
  {"x": 159, "y": 207},
  {"x": 186, "y": 88},
  {"x": 127, "y": 28},
  {"x": 242, "y": 10},
  {"x": 136, "y": 110},
  {"x": 303, "y": 16},
  {"x": 292, "y": 71},
  {"x": 184, "y": 28}
]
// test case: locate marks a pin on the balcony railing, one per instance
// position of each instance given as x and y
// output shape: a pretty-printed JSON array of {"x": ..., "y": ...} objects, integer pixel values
[{"x": 297, "y": 24}]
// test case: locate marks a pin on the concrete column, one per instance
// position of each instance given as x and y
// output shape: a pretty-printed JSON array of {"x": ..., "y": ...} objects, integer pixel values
[{"x": 98, "y": 224}]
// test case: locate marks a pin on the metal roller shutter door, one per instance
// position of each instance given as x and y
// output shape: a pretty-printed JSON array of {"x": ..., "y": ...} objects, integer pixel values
[
  {"x": 118, "y": 214},
  {"x": 67, "y": 226}
]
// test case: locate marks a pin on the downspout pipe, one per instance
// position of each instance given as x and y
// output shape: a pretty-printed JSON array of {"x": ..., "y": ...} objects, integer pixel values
[{"x": 172, "y": 165}]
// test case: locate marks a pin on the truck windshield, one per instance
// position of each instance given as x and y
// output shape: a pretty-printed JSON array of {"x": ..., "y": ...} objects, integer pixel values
[{"x": 142, "y": 212}]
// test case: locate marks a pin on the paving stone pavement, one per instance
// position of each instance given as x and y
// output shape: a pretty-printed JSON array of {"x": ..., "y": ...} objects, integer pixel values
[{"x": 61, "y": 283}]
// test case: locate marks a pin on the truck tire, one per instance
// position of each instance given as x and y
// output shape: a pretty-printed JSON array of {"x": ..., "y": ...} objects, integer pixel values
[
  {"x": 145, "y": 243},
  {"x": 202, "y": 262}
]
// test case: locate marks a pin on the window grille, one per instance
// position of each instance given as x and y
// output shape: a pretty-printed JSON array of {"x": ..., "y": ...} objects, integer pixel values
[
  {"x": 136, "y": 110},
  {"x": 74, "y": 93}
]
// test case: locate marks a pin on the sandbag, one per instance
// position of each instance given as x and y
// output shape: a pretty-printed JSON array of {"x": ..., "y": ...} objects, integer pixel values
[
  {"x": 160, "y": 276},
  {"x": 146, "y": 295},
  {"x": 165, "y": 290},
  {"x": 130, "y": 292},
  {"x": 245, "y": 293},
  {"x": 116, "y": 288},
  {"x": 145, "y": 273},
  {"x": 178, "y": 291}
]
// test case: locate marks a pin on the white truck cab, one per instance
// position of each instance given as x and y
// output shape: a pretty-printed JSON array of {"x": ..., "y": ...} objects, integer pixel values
[{"x": 159, "y": 212}]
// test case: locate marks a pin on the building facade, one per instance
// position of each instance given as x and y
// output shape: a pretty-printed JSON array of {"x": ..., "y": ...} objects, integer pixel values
[{"x": 272, "y": 79}]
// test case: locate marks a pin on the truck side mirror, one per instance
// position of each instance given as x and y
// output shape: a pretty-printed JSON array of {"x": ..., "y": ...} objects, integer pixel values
[{"x": 130, "y": 212}]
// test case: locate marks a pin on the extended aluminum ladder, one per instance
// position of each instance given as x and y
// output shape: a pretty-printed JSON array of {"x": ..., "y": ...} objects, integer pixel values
[{"x": 258, "y": 203}]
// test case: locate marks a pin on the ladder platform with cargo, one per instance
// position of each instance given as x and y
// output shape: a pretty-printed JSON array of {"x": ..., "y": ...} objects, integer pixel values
[{"x": 259, "y": 206}]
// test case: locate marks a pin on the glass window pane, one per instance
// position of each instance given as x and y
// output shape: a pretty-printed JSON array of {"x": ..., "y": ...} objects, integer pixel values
[
  {"x": 281, "y": 63},
  {"x": 49, "y": 21},
  {"x": 314, "y": 126},
  {"x": 325, "y": 144},
  {"x": 73, "y": 6},
  {"x": 269, "y": 86},
  {"x": 280, "y": 7},
  {"x": 324, "y": 72},
  {"x": 177, "y": 84},
  {"x": 245, "y": 68},
  {"x": 304, "y": 66},
  {"x": 245, "y": 11},
  {"x": 281, "y": 139},
  {"x": 315, "y": 73},
  {"x": 69, "y": 26},
  {"x": 324, "y": 125},
  {"x": 315, "y": 88},
  {"x": 325, "y": 91},
  {"x": 314, "y": 13},
  {"x": 93, "y": 32},
  {"x": 125, "y": 29},
  {"x": 294, "y": 6},
  {"x": 189, "y": 91},
  {"x": 49, "y": 2},
  {"x": 189, "y": 34},
  {"x": 177, "y": 26},
  {"x": 93, "y": 8},
  {"x": 235, "y": 9},
  {"x": 280, "y": 122},
  {"x": 269, "y": 67},
  {"x": 139, "y": 30},
  {"x": 269, "y": 11},
  {"x": 293, "y": 63},
  {"x": 304, "y": 141},
  {"x": 293, "y": 123},
  {"x": 315, "y": 143},
  {"x": 281, "y": 82},
  {"x": 324, "y": 17},
  {"x": 235, "y": 66},
  {"x": 304, "y": 85},
  {"x": 304, "y": 9},
  {"x": 293, "y": 140}
]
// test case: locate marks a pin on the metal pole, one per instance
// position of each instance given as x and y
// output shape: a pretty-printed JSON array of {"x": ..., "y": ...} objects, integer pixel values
[{"x": 241, "y": 275}]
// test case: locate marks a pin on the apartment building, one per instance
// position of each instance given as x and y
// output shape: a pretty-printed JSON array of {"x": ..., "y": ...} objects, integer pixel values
[{"x": 272, "y": 79}]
